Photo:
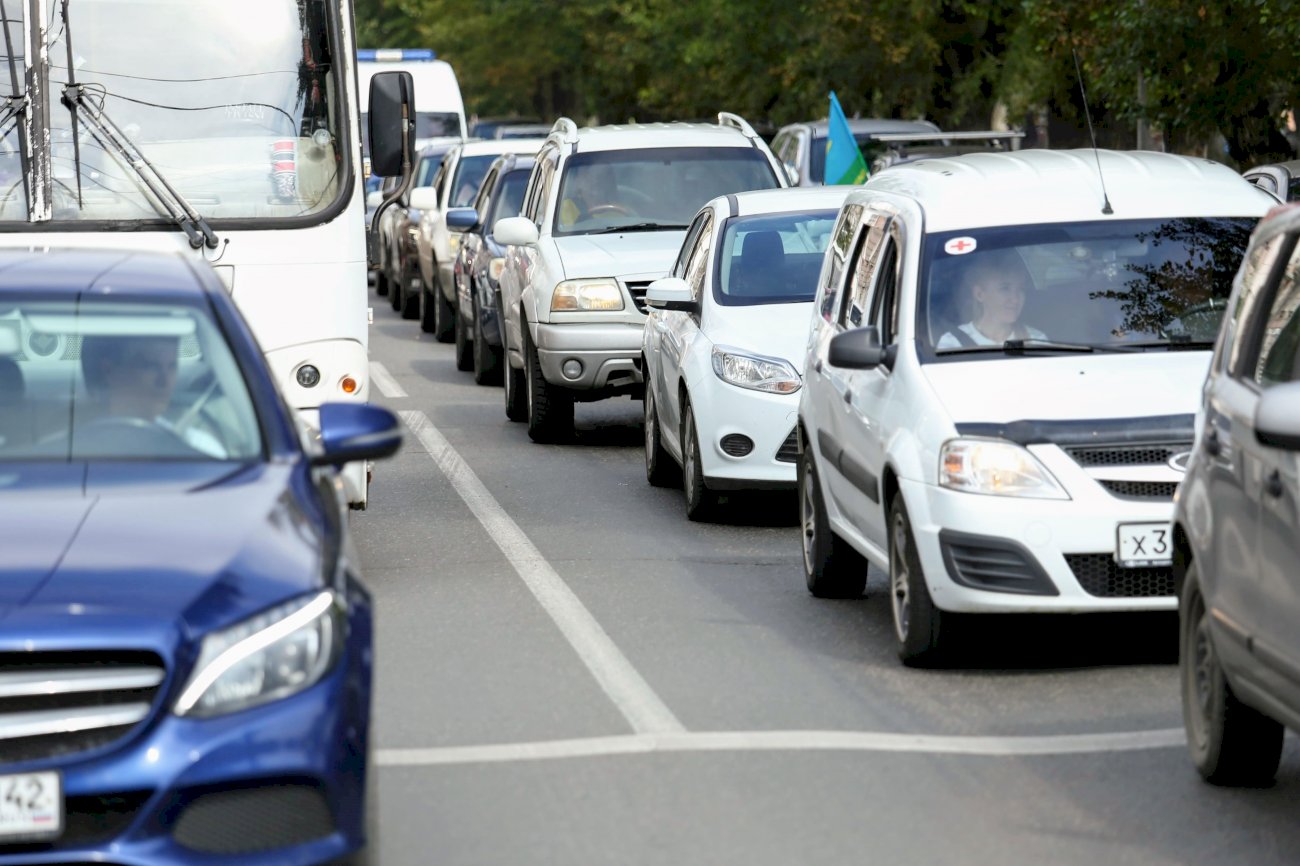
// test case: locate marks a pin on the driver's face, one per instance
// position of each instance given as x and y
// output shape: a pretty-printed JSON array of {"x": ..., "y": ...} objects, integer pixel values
[{"x": 140, "y": 381}]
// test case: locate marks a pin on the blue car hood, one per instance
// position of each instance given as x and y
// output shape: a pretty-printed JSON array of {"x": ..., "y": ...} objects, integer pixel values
[{"x": 155, "y": 553}]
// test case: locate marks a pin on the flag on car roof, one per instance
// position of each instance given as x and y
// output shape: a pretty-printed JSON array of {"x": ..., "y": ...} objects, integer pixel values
[{"x": 844, "y": 162}]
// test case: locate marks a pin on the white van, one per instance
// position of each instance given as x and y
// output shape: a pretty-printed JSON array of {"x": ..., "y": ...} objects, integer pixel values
[{"x": 439, "y": 110}]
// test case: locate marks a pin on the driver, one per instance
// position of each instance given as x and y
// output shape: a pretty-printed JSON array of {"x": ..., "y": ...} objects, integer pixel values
[
  {"x": 135, "y": 377},
  {"x": 994, "y": 287},
  {"x": 587, "y": 190}
]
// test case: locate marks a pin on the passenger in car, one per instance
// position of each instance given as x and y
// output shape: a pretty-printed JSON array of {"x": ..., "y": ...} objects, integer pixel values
[{"x": 994, "y": 287}]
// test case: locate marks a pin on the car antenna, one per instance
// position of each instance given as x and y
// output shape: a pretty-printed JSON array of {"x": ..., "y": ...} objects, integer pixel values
[{"x": 1083, "y": 94}]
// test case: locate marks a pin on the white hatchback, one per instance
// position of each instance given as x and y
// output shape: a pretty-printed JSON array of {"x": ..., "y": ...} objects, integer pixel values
[
  {"x": 1002, "y": 379},
  {"x": 724, "y": 342}
]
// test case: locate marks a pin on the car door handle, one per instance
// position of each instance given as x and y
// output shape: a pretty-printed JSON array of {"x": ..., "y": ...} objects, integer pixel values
[
  {"x": 1273, "y": 484},
  {"x": 818, "y": 365},
  {"x": 848, "y": 396}
]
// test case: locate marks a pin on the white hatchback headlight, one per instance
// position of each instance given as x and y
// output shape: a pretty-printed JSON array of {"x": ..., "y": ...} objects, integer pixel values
[
  {"x": 755, "y": 372},
  {"x": 597, "y": 294},
  {"x": 997, "y": 468},
  {"x": 270, "y": 656}
]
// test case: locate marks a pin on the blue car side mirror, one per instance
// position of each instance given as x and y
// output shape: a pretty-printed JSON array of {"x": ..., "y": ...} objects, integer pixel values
[{"x": 356, "y": 431}]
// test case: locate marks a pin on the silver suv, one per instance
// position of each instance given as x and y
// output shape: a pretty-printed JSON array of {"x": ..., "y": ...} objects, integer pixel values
[
  {"x": 604, "y": 215},
  {"x": 1236, "y": 522}
]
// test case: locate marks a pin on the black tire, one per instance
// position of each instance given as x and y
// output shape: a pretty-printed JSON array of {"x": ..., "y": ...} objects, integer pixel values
[
  {"x": 1231, "y": 743},
  {"x": 444, "y": 319},
  {"x": 487, "y": 359},
  {"x": 550, "y": 408},
  {"x": 831, "y": 568},
  {"x": 916, "y": 620},
  {"x": 660, "y": 468},
  {"x": 515, "y": 386},
  {"x": 381, "y": 284},
  {"x": 427, "y": 322},
  {"x": 701, "y": 502},
  {"x": 395, "y": 292},
  {"x": 464, "y": 348},
  {"x": 410, "y": 307}
]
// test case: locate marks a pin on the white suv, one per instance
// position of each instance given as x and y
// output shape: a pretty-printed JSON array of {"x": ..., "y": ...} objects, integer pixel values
[
  {"x": 604, "y": 215},
  {"x": 1002, "y": 378}
]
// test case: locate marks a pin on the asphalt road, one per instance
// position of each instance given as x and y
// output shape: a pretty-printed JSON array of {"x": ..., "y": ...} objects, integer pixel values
[{"x": 570, "y": 672}]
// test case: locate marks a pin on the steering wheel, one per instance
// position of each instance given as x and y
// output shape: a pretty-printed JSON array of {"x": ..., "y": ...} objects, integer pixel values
[
  {"x": 135, "y": 436},
  {"x": 1199, "y": 321},
  {"x": 601, "y": 209}
]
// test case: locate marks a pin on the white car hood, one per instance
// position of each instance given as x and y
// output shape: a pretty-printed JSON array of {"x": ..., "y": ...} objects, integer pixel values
[
  {"x": 646, "y": 254},
  {"x": 1070, "y": 388},
  {"x": 774, "y": 330}
]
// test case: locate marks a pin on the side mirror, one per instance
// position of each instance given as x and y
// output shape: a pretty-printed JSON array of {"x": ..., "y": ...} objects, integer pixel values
[
  {"x": 424, "y": 198},
  {"x": 373, "y": 199},
  {"x": 859, "y": 349},
  {"x": 673, "y": 294},
  {"x": 356, "y": 431},
  {"x": 462, "y": 219},
  {"x": 1277, "y": 417},
  {"x": 515, "y": 231},
  {"x": 392, "y": 123}
]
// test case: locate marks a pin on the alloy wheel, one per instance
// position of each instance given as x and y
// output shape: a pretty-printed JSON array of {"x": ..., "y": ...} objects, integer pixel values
[{"x": 900, "y": 580}]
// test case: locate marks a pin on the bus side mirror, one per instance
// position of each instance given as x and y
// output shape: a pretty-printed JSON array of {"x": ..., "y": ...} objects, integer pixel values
[{"x": 392, "y": 123}]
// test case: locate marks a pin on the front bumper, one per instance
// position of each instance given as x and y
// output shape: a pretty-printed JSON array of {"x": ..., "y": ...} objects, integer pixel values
[
  {"x": 610, "y": 355},
  {"x": 767, "y": 420},
  {"x": 278, "y": 785},
  {"x": 1072, "y": 542}
]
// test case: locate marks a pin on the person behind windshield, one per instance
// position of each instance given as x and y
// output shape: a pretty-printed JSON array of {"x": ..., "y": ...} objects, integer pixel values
[
  {"x": 133, "y": 379},
  {"x": 587, "y": 191},
  {"x": 994, "y": 287}
]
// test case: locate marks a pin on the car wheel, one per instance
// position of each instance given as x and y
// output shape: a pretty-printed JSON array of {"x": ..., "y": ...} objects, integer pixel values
[
  {"x": 464, "y": 358},
  {"x": 1231, "y": 743},
  {"x": 444, "y": 320},
  {"x": 660, "y": 469},
  {"x": 411, "y": 289},
  {"x": 395, "y": 292},
  {"x": 427, "y": 321},
  {"x": 487, "y": 359},
  {"x": 515, "y": 392},
  {"x": 701, "y": 502},
  {"x": 381, "y": 284},
  {"x": 550, "y": 409},
  {"x": 831, "y": 567},
  {"x": 916, "y": 620}
]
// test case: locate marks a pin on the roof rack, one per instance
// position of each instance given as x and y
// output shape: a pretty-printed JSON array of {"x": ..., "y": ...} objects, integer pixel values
[
  {"x": 991, "y": 135},
  {"x": 566, "y": 129},
  {"x": 735, "y": 121}
]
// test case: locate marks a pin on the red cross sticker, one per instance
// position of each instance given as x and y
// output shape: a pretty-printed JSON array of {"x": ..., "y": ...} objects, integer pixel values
[{"x": 959, "y": 246}]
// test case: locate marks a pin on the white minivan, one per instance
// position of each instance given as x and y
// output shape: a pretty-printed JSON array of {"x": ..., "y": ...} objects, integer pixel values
[
  {"x": 439, "y": 110},
  {"x": 1002, "y": 378}
]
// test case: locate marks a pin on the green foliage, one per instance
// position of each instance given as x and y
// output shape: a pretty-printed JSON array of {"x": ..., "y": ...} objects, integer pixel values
[{"x": 1197, "y": 70}]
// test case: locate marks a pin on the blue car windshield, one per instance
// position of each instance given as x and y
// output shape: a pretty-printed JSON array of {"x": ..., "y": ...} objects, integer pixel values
[
  {"x": 772, "y": 259},
  {"x": 96, "y": 380}
]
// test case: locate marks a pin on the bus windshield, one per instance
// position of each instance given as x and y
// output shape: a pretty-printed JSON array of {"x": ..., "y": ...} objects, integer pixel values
[{"x": 235, "y": 103}]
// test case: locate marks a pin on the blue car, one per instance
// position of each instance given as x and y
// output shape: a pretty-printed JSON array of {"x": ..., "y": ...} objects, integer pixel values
[{"x": 185, "y": 646}]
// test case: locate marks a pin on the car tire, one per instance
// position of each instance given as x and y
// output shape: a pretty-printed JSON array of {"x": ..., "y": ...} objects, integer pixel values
[
  {"x": 917, "y": 622},
  {"x": 550, "y": 409},
  {"x": 660, "y": 468},
  {"x": 444, "y": 319},
  {"x": 701, "y": 502},
  {"x": 1231, "y": 743},
  {"x": 832, "y": 568},
  {"x": 381, "y": 284},
  {"x": 464, "y": 349},
  {"x": 487, "y": 359},
  {"x": 515, "y": 386},
  {"x": 427, "y": 321},
  {"x": 395, "y": 292}
]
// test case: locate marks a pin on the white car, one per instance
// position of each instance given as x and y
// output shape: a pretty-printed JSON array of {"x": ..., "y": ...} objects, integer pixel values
[
  {"x": 604, "y": 214},
  {"x": 724, "y": 343},
  {"x": 455, "y": 185},
  {"x": 1005, "y": 365}
]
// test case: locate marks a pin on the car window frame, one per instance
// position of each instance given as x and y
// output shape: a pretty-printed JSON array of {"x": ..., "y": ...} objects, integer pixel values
[
  {"x": 874, "y": 225},
  {"x": 704, "y": 249},
  {"x": 843, "y": 241},
  {"x": 688, "y": 245},
  {"x": 1248, "y": 317}
]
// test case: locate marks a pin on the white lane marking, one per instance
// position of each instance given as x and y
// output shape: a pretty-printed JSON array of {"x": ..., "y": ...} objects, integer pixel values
[
  {"x": 638, "y": 703},
  {"x": 387, "y": 384},
  {"x": 785, "y": 741}
]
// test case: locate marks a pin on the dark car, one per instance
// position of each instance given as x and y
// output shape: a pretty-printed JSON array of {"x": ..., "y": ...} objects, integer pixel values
[
  {"x": 399, "y": 268},
  {"x": 185, "y": 662},
  {"x": 487, "y": 127},
  {"x": 1237, "y": 524},
  {"x": 478, "y": 266}
]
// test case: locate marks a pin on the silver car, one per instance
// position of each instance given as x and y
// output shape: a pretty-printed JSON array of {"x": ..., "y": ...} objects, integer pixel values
[{"x": 1237, "y": 525}]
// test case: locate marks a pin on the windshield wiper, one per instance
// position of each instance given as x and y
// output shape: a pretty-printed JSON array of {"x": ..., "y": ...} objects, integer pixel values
[
  {"x": 1020, "y": 347},
  {"x": 639, "y": 227},
  {"x": 111, "y": 137},
  {"x": 1174, "y": 345}
]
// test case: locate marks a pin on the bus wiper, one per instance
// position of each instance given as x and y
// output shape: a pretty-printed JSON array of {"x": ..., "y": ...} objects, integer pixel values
[
  {"x": 1020, "y": 347},
  {"x": 638, "y": 227},
  {"x": 111, "y": 137}
]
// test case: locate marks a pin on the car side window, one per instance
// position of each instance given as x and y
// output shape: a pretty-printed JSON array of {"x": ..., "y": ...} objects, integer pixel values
[
  {"x": 859, "y": 281},
  {"x": 543, "y": 171},
  {"x": 884, "y": 300},
  {"x": 485, "y": 193},
  {"x": 1256, "y": 272},
  {"x": 684, "y": 255},
  {"x": 841, "y": 241},
  {"x": 1279, "y": 344},
  {"x": 697, "y": 267}
]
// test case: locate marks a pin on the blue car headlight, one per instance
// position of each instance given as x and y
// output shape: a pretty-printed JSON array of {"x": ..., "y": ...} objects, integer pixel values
[{"x": 264, "y": 658}]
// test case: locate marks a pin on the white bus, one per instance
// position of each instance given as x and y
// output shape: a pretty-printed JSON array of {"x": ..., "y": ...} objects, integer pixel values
[
  {"x": 227, "y": 128},
  {"x": 440, "y": 111}
]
